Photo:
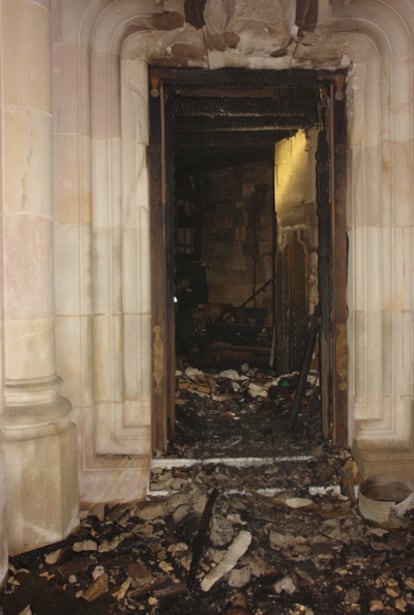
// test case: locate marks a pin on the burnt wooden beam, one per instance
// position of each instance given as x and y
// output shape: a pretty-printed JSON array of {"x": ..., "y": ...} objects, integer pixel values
[
  {"x": 228, "y": 142},
  {"x": 228, "y": 123},
  {"x": 247, "y": 106}
]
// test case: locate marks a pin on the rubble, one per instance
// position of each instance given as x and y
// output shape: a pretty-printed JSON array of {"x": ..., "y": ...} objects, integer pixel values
[
  {"x": 99, "y": 586},
  {"x": 235, "y": 551},
  {"x": 270, "y": 530}
]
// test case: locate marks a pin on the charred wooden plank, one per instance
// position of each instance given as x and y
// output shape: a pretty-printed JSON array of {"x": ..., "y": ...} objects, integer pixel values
[{"x": 201, "y": 536}]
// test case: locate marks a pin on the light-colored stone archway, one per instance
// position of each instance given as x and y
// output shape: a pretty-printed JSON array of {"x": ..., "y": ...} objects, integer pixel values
[{"x": 110, "y": 385}]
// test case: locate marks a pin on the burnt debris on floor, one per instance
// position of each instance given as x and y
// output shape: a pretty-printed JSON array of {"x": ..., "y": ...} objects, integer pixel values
[
  {"x": 246, "y": 516},
  {"x": 244, "y": 413}
]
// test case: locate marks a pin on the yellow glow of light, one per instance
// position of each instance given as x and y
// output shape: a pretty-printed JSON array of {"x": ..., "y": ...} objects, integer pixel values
[{"x": 294, "y": 172}]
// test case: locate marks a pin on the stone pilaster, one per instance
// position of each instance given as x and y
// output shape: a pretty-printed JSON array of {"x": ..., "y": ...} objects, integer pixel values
[{"x": 39, "y": 438}]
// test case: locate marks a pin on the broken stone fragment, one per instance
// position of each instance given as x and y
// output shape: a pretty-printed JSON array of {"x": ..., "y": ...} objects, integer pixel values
[
  {"x": 178, "y": 548},
  {"x": 352, "y": 596},
  {"x": 238, "y": 548},
  {"x": 277, "y": 540},
  {"x": 221, "y": 531},
  {"x": 97, "y": 588},
  {"x": 180, "y": 513},
  {"x": 198, "y": 500},
  {"x": 409, "y": 583},
  {"x": 286, "y": 585},
  {"x": 98, "y": 511},
  {"x": 85, "y": 545},
  {"x": 220, "y": 398},
  {"x": 308, "y": 571},
  {"x": 239, "y": 577},
  {"x": 53, "y": 557},
  {"x": 153, "y": 510},
  {"x": 165, "y": 567},
  {"x": 231, "y": 374},
  {"x": 139, "y": 574},
  {"x": 258, "y": 565},
  {"x": 300, "y": 609},
  {"x": 299, "y": 502},
  {"x": 122, "y": 591},
  {"x": 185, "y": 562},
  {"x": 97, "y": 572},
  {"x": 376, "y": 606},
  {"x": 194, "y": 374},
  {"x": 401, "y": 605},
  {"x": 393, "y": 588},
  {"x": 255, "y": 390},
  {"x": 47, "y": 575},
  {"x": 108, "y": 545}
]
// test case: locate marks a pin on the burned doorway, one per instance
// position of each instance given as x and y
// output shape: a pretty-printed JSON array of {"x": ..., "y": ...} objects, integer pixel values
[{"x": 228, "y": 285}]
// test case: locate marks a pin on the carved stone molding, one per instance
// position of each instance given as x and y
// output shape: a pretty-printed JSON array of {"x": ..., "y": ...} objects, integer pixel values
[{"x": 373, "y": 39}]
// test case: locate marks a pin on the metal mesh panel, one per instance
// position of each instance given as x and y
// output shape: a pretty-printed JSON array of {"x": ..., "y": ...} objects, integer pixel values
[
  {"x": 291, "y": 308},
  {"x": 282, "y": 312},
  {"x": 298, "y": 321}
]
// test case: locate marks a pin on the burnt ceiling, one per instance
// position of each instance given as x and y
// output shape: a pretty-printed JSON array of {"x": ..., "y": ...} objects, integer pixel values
[{"x": 231, "y": 117}]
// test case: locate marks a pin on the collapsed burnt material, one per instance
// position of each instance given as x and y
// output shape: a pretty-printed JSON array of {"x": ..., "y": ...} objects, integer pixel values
[
  {"x": 210, "y": 332},
  {"x": 296, "y": 546},
  {"x": 237, "y": 535},
  {"x": 307, "y": 359},
  {"x": 215, "y": 333},
  {"x": 243, "y": 413}
]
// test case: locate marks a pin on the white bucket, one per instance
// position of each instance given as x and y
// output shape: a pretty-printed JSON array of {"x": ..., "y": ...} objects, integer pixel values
[{"x": 379, "y": 494}]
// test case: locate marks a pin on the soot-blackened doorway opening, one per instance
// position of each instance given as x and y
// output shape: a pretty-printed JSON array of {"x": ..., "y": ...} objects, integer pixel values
[{"x": 248, "y": 245}]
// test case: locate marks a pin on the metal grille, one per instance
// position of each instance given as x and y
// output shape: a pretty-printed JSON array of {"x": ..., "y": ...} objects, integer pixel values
[
  {"x": 298, "y": 283},
  {"x": 282, "y": 360},
  {"x": 291, "y": 309}
]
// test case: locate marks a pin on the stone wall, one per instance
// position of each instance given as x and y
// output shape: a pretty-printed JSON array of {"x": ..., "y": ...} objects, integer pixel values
[
  {"x": 103, "y": 49},
  {"x": 95, "y": 190},
  {"x": 238, "y": 210}
]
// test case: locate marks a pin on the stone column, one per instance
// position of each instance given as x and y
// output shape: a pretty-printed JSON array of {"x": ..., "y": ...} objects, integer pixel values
[
  {"x": 39, "y": 438},
  {"x": 4, "y": 560}
]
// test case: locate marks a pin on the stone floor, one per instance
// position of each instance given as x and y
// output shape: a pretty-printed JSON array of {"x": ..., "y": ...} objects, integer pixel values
[{"x": 245, "y": 516}]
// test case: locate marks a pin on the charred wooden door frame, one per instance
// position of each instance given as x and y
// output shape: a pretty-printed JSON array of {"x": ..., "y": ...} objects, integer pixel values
[
  {"x": 162, "y": 270},
  {"x": 333, "y": 258},
  {"x": 339, "y": 261},
  {"x": 333, "y": 253}
]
